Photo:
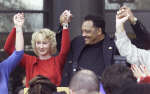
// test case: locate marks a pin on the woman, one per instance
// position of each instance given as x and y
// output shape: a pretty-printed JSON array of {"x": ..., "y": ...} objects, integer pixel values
[
  {"x": 10, "y": 63},
  {"x": 44, "y": 46}
]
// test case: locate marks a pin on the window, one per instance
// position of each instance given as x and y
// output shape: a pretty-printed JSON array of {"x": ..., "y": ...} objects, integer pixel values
[
  {"x": 133, "y": 4},
  {"x": 36, "y": 17}
]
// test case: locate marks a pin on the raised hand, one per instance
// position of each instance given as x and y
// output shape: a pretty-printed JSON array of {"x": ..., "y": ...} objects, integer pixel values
[
  {"x": 120, "y": 21},
  {"x": 140, "y": 71},
  {"x": 137, "y": 71},
  {"x": 18, "y": 19},
  {"x": 144, "y": 70},
  {"x": 65, "y": 17},
  {"x": 123, "y": 10}
]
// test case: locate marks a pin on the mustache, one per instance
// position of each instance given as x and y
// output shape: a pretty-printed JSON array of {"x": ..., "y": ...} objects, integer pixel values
[{"x": 85, "y": 37}]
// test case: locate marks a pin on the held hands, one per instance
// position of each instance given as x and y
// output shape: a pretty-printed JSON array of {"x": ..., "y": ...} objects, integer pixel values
[
  {"x": 123, "y": 10},
  {"x": 18, "y": 20},
  {"x": 65, "y": 17},
  {"x": 120, "y": 20}
]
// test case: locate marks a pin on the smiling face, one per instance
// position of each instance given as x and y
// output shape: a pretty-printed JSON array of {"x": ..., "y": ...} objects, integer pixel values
[
  {"x": 44, "y": 42},
  {"x": 89, "y": 32},
  {"x": 42, "y": 46}
]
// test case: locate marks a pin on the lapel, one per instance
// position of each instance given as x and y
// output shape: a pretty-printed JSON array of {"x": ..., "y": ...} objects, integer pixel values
[
  {"x": 79, "y": 49},
  {"x": 107, "y": 51}
]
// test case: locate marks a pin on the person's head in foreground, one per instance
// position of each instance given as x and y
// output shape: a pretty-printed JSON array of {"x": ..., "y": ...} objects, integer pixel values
[
  {"x": 117, "y": 76},
  {"x": 41, "y": 85},
  {"x": 84, "y": 80}
]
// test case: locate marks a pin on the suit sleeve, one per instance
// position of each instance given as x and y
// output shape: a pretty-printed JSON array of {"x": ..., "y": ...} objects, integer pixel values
[{"x": 142, "y": 35}]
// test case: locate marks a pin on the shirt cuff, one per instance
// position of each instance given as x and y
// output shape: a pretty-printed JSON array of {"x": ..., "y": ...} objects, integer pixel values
[{"x": 19, "y": 52}]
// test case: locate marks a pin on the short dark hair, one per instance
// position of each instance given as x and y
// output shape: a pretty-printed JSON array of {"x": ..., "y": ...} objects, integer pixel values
[
  {"x": 116, "y": 76},
  {"x": 98, "y": 21},
  {"x": 84, "y": 80},
  {"x": 41, "y": 85}
]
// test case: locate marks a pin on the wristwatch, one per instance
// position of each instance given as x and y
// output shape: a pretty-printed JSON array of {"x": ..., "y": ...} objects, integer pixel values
[{"x": 65, "y": 25}]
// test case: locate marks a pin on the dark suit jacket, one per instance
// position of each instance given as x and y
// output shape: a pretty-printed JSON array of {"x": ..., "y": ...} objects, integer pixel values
[
  {"x": 142, "y": 35},
  {"x": 77, "y": 45}
]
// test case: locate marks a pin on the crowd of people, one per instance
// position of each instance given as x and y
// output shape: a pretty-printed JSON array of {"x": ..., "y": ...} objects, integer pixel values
[{"x": 86, "y": 65}]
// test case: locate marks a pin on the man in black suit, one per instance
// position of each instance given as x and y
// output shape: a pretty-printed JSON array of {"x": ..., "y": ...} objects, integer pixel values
[{"x": 93, "y": 50}]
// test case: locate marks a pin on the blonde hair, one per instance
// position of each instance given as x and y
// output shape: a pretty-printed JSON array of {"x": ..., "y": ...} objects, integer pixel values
[{"x": 47, "y": 34}]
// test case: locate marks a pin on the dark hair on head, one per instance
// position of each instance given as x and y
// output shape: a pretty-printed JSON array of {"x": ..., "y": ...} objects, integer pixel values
[
  {"x": 41, "y": 85},
  {"x": 98, "y": 21},
  {"x": 116, "y": 76}
]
